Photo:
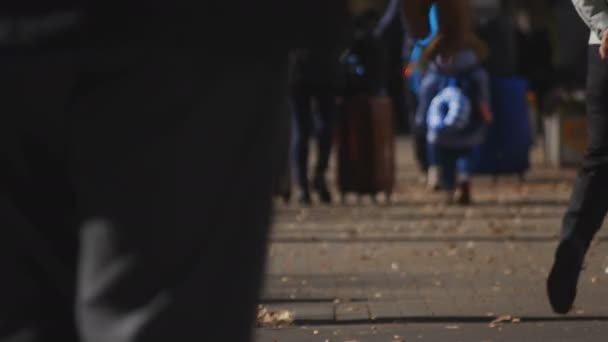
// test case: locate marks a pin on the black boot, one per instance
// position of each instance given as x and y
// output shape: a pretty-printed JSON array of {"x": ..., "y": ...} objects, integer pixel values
[{"x": 563, "y": 279}]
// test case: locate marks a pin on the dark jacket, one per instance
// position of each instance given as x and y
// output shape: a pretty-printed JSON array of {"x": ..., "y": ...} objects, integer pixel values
[{"x": 314, "y": 68}]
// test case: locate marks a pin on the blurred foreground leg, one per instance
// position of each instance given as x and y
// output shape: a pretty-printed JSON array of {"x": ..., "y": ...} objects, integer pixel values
[
  {"x": 174, "y": 159},
  {"x": 589, "y": 200}
]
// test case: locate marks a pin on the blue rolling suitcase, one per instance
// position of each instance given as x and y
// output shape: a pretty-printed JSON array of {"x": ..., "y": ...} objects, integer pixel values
[{"x": 506, "y": 149}]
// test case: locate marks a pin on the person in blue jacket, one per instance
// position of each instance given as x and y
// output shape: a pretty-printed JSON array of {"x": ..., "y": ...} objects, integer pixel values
[{"x": 453, "y": 110}]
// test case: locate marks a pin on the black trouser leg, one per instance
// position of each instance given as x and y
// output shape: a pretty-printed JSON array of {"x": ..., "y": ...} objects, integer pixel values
[
  {"x": 303, "y": 129},
  {"x": 38, "y": 238},
  {"x": 589, "y": 201},
  {"x": 447, "y": 159}
]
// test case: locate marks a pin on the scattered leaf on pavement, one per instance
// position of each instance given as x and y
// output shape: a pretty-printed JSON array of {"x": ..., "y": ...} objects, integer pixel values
[
  {"x": 279, "y": 318},
  {"x": 504, "y": 319}
]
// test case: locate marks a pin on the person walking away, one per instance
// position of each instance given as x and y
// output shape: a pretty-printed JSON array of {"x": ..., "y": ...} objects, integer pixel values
[
  {"x": 315, "y": 79},
  {"x": 137, "y": 156},
  {"x": 455, "y": 108},
  {"x": 589, "y": 200}
]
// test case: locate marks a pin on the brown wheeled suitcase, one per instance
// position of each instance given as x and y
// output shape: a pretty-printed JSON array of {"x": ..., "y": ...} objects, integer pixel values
[{"x": 366, "y": 146}]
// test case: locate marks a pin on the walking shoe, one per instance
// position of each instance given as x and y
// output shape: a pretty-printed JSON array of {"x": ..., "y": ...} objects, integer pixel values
[
  {"x": 464, "y": 194},
  {"x": 563, "y": 279},
  {"x": 304, "y": 199},
  {"x": 320, "y": 186}
]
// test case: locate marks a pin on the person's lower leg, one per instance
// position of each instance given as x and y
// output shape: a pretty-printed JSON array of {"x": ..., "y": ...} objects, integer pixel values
[
  {"x": 447, "y": 171},
  {"x": 324, "y": 143},
  {"x": 463, "y": 167},
  {"x": 302, "y": 129}
]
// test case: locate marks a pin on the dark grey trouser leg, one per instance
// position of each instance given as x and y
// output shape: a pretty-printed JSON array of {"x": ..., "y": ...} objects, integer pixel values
[
  {"x": 38, "y": 240},
  {"x": 173, "y": 164},
  {"x": 35, "y": 303},
  {"x": 589, "y": 201}
]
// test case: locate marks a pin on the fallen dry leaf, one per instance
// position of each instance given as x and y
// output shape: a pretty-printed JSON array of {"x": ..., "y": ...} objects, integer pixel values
[
  {"x": 279, "y": 318},
  {"x": 504, "y": 319}
]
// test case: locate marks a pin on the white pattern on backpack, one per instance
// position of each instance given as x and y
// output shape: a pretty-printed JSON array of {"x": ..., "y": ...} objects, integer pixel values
[{"x": 451, "y": 108}]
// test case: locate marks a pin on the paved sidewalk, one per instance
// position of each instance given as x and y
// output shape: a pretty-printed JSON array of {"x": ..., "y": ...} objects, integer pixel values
[{"x": 415, "y": 270}]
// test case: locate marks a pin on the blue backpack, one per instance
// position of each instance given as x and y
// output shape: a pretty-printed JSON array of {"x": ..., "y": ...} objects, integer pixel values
[{"x": 453, "y": 113}]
